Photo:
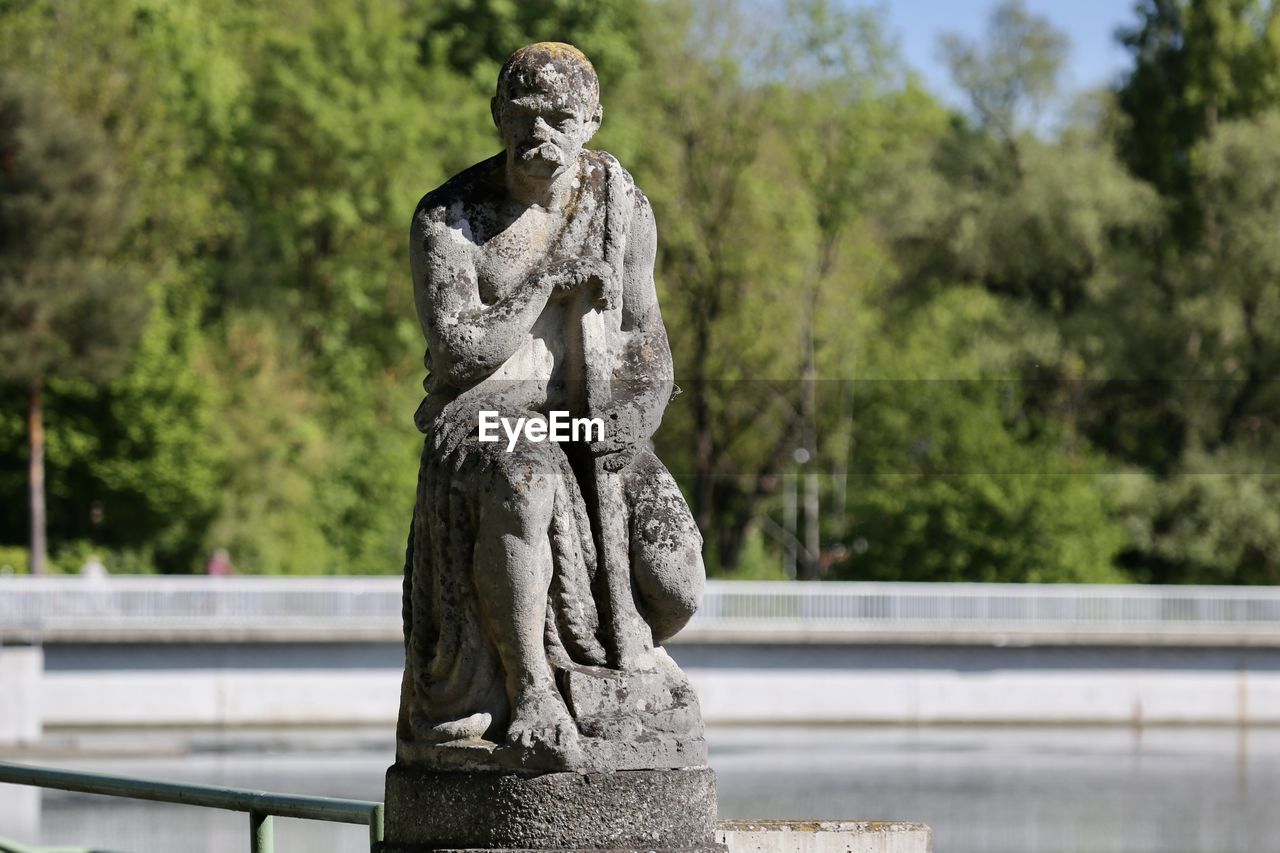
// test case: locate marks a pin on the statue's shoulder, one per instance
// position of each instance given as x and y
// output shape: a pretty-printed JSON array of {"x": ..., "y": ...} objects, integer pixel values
[
  {"x": 459, "y": 197},
  {"x": 610, "y": 168}
]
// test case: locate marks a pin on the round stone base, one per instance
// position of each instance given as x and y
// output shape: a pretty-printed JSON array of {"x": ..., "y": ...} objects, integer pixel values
[{"x": 494, "y": 810}]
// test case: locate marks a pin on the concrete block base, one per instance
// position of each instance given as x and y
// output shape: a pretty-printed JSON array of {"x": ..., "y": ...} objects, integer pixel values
[
  {"x": 19, "y": 813},
  {"x": 804, "y": 836},
  {"x": 21, "y": 673}
]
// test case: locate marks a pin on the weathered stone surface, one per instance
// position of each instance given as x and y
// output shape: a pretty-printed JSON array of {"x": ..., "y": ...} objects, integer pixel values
[
  {"x": 627, "y": 721},
  {"x": 541, "y": 576},
  {"x": 825, "y": 836},
  {"x": 647, "y": 810}
]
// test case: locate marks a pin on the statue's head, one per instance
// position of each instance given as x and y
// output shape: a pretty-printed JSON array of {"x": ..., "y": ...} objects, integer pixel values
[{"x": 547, "y": 107}]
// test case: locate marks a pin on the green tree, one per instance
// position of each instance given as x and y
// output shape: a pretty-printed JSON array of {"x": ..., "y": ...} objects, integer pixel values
[
  {"x": 279, "y": 455},
  {"x": 131, "y": 461},
  {"x": 1196, "y": 63},
  {"x": 342, "y": 145},
  {"x": 715, "y": 195},
  {"x": 1012, "y": 73},
  {"x": 69, "y": 309},
  {"x": 954, "y": 476},
  {"x": 474, "y": 37},
  {"x": 759, "y": 185},
  {"x": 971, "y": 456},
  {"x": 1204, "y": 349},
  {"x": 849, "y": 104}
]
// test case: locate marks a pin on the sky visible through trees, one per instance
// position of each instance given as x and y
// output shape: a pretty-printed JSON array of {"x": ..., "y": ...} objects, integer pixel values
[
  {"x": 1096, "y": 59},
  {"x": 919, "y": 335}
]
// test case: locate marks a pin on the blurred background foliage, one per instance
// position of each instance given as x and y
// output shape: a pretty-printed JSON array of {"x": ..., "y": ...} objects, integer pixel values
[{"x": 914, "y": 342}]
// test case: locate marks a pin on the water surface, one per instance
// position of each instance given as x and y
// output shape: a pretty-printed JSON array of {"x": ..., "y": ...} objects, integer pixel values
[{"x": 983, "y": 790}]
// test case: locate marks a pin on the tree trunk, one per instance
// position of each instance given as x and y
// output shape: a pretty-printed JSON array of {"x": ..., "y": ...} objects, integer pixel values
[
  {"x": 840, "y": 471},
  {"x": 812, "y": 512},
  {"x": 790, "y": 553},
  {"x": 35, "y": 474},
  {"x": 744, "y": 512},
  {"x": 809, "y": 414}
]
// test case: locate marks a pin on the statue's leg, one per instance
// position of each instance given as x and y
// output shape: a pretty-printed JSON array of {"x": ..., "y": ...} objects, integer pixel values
[
  {"x": 513, "y": 568},
  {"x": 666, "y": 548}
]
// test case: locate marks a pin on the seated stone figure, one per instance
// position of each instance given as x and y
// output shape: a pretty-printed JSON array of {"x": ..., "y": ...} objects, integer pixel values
[{"x": 540, "y": 580}]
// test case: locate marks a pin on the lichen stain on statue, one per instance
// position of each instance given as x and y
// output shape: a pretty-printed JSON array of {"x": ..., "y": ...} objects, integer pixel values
[{"x": 540, "y": 581}]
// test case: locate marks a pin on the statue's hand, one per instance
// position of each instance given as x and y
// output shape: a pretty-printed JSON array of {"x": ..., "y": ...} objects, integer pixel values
[
  {"x": 570, "y": 275},
  {"x": 458, "y": 421}
]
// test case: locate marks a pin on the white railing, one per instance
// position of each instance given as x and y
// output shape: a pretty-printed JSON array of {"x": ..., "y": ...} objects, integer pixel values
[
  {"x": 141, "y": 604},
  {"x": 993, "y": 608},
  {"x": 355, "y": 607}
]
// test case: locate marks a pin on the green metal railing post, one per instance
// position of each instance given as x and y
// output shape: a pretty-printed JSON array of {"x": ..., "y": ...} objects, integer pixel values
[
  {"x": 375, "y": 827},
  {"x": 261, "y": 839}
]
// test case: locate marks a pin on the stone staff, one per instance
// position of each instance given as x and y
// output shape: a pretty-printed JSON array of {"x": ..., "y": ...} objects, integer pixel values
[{"x": 624, "y": 627}]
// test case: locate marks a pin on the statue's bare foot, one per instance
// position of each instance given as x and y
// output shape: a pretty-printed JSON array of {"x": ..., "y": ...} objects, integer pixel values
[
  {"x": 542, "y": 728},
  {"x": 468, "y": 728}
]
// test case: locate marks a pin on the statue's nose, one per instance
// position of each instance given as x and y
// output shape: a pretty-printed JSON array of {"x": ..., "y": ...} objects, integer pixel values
[{"x": 541, "y": 129}]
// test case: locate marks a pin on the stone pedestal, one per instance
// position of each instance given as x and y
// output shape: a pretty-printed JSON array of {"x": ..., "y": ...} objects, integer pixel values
[{"x": 495, "y": 810}]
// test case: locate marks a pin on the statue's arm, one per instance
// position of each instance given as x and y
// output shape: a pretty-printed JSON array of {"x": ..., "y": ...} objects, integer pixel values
[
  {"x": 643, "y": 377},
  {"x": 468, "y": 340}
]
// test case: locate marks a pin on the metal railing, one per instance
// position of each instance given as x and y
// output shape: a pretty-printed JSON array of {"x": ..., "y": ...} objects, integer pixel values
[
  {"x": 369, "y": 608},
  {"x": 142, "y": 605},
  {"x": 261, "y": 806},
  {"x": 993, "y": 607}
]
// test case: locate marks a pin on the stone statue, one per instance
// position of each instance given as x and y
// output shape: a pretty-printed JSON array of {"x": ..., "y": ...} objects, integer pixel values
[{"x": 542, "y": 575}]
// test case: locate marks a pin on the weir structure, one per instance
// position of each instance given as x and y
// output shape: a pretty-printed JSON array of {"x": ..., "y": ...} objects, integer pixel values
[{"x": 265, "y": 651}]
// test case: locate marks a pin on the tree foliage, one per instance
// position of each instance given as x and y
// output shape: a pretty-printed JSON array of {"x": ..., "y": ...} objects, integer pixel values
[
  {"x": 66, "y": 310},
  {"x": 913, "y": 342},
  {"x": 1011, "y": 74},
  {"x": 1196, "y": 63}
]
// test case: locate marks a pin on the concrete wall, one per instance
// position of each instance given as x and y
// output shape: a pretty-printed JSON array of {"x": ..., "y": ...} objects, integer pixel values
[
  {"x": 222, "y": 684},
  {"x": 21, "y": 672},
  {"x": 984, "y": 684},
  {"x": 336, "y": 683}
]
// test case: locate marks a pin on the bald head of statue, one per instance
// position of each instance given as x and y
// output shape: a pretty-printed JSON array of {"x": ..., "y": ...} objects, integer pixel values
[{"x": 546, "y": 108}]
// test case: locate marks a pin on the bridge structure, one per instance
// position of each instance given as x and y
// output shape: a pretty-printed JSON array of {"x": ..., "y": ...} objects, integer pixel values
[
  {"x": 133, "y": 608},
  {"x": 194, "y": 651}
]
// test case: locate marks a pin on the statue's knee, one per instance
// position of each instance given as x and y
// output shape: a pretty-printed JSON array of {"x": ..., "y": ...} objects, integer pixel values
[{"x": 522, "y": 484}]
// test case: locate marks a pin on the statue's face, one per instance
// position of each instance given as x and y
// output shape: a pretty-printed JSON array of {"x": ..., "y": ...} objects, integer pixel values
[{"x": 544, "y": 128}]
